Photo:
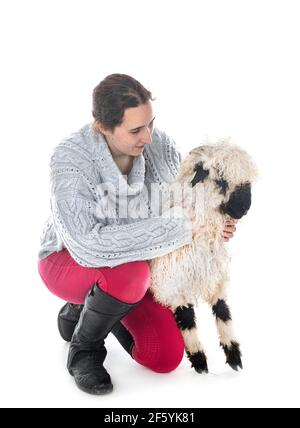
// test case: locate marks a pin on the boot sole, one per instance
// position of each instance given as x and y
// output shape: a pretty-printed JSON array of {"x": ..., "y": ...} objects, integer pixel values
[{"x": 105, "y": 390}]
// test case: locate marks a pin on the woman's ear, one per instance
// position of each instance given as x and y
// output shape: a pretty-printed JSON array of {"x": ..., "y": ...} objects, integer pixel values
[{"x": 100, "y": 128}]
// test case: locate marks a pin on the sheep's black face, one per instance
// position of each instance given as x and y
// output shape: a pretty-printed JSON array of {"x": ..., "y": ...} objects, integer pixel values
[
  {"x": 222, "y": 186},
  {"x": 200, "y": 175},
  {"x": 239, "y": 202}
]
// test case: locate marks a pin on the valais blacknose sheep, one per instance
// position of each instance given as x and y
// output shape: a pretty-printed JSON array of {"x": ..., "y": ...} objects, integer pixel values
[{"x": 220, "y": 176}]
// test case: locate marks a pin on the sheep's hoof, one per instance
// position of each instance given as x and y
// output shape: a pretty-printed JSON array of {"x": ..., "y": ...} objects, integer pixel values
[
  {"x": 233, "y": 355},
  {"x": 201, "y": 369},
  {"x": 198, "y": 361}
]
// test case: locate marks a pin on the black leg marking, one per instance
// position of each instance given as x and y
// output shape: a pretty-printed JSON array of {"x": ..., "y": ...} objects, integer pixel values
[
  {"x": 233, "y": 355},
  {"x": 198, "y": 361},
  {"x": 185, "y": 317},
  {"x": 221, "y": 310}
]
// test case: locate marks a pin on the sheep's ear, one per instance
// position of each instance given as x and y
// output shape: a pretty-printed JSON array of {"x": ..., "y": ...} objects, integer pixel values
[{"x": 200, "y": 174}]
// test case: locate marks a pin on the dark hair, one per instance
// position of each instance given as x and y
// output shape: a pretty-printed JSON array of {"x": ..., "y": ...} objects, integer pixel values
[{"x": 114, "y": 95}]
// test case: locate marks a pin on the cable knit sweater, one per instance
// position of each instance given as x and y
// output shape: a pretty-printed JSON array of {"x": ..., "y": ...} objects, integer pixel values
[{"x": 79, "y": 164}]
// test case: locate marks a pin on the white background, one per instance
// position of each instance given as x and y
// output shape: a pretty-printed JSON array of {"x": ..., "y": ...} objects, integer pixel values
[{"x": 217, "y": 68}]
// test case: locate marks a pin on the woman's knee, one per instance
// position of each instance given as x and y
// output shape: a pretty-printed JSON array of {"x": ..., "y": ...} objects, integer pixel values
[
  {"x": 167, "y": 359},
  {"x": 127, "y": 282},
  {"x": 158, "y": 341},
  {"x": 139, "y": 278}
]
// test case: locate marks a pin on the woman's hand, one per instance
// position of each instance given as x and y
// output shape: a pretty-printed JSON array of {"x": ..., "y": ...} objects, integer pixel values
[
  {"x": 197, "y": 228},
  {"x": 229, "y": 229}
]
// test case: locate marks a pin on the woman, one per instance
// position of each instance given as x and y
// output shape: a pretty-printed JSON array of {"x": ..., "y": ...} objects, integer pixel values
[{"x": 94, "y": 250}]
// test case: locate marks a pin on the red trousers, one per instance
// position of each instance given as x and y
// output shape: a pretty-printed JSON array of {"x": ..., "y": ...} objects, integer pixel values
[{"x": 158, "y": 341}]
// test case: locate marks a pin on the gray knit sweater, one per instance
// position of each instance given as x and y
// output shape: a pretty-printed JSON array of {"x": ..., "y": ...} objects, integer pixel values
[{"x": 79, "y": 166}]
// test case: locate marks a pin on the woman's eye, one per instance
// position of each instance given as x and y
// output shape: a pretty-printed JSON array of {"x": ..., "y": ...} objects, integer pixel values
[{"x": 138, "y": 130}]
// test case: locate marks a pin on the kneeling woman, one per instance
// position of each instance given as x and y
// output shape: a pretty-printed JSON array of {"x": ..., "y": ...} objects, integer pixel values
[{"x": 95, "y": 258}]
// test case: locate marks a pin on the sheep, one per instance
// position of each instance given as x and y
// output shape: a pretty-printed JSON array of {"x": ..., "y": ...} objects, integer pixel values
[{"x": 219, "y": 176}]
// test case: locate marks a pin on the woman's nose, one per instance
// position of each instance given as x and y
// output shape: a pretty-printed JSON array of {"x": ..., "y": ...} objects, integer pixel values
[{"x": 147, "y": 135}]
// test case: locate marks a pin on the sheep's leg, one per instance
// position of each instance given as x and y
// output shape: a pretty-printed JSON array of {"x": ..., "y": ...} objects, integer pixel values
[
  {"x": 227, "y": 340},
  {"x": 185, "y": 318}
]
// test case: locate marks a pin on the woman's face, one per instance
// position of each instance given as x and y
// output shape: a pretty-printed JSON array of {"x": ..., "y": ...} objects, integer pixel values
[{"x": 133, "y": 134}]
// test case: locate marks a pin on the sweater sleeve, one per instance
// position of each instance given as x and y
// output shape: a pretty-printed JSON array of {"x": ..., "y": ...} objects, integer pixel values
[{"x": 93, "y": 243}]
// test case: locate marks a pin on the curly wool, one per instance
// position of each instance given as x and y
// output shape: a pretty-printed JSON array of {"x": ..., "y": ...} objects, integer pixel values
[{"x": 200, "y": 271}]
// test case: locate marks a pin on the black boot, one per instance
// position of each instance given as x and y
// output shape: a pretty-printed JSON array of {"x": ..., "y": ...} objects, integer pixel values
[
  {"x": 87, "y": 352},
  {"x": 69, "y": 315},
  {"x": 124, "y": 337},
  {"x": 67, "y": 319}
]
